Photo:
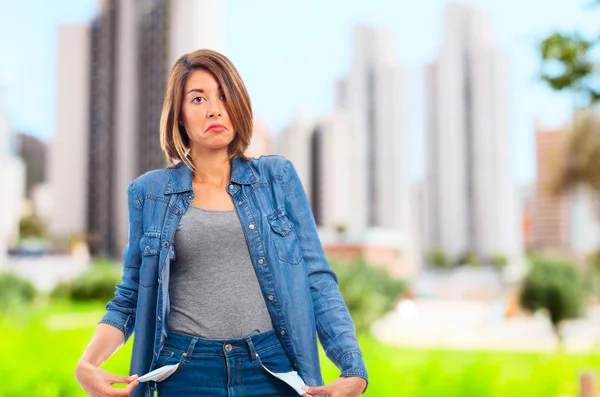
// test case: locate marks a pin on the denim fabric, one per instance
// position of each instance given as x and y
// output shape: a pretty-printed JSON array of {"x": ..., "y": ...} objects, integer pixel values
[
  {"x": 298, "y": 285},
  {"x": 229, "y": 367}
]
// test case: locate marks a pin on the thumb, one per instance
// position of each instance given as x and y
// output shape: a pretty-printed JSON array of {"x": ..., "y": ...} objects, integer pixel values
[{"x": 319, "y": 390}]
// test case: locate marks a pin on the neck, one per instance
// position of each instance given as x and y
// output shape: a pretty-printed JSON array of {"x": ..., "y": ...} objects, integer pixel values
[{"x": 212, "y": 167}]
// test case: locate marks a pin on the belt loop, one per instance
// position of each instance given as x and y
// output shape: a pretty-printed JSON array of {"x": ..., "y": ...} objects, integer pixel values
[
  {"x": 253, "y": 354},
  {"x": 190, "y": 350}
]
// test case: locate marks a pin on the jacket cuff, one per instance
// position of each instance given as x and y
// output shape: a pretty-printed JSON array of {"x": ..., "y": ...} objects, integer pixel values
[
  {"x": 120, "y": 321},
  {"x": 352, "y": 364}
]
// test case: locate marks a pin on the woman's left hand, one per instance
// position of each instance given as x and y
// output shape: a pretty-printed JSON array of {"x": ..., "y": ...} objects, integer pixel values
[{"x": 350, "y": 386}]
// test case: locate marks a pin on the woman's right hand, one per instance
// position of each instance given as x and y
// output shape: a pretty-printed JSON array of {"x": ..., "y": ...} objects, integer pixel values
[{"x": 97, "y": 382}]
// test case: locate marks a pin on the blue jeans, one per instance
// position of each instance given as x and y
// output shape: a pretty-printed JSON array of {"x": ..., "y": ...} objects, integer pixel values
[{"x": 224, "y": 368}]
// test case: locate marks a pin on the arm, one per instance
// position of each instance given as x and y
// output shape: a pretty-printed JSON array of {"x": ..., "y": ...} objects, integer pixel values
[
  {"x": 334, "y": 325},
  {"x": 120, "y": 311},
  {"x": 117, "y": 324}
]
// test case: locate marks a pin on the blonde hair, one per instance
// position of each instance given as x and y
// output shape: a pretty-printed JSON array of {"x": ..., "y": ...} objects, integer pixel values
[{"x": 174, "y": 140}]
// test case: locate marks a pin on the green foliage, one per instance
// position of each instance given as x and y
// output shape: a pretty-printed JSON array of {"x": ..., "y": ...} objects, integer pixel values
[
  {"x": 97, "y": 283},
  {"x": 15, "y": 292},
  {"x": 567, "y": 64},
  {"x": 469, "y": 258},
  {"x": 438, "y": 258},
  {"x": 39, "y": 359},
  {"x": 557, "y": 288},
  {"x": 500, "y": 261},
  {"x": 31, "y": 227},
  {"x": 369, "y": 291}
]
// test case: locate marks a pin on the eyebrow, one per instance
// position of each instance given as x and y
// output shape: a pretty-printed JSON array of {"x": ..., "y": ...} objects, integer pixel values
[{"x": 200, "y": 90}]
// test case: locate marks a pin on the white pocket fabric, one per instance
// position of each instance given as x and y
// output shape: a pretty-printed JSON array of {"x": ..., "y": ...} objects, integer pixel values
[
  {"x": 291, "y": 378},
  {"x": 159, "y": 374}
]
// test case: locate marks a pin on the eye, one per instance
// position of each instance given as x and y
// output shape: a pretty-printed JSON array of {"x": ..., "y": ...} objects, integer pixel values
[
  {"x": 198, "y": 99},
  {"x": 222, "y": 97}
]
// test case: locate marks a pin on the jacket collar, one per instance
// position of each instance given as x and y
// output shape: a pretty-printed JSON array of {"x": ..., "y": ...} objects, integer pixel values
[{"x": 180, "y": 176}]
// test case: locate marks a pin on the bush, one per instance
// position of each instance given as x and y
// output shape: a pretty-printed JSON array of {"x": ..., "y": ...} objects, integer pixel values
[
  {"x": 500, "y": 261},
  {"x": 438, "y": 258},
  {"x": 369, "y": 291},
  {"x": 97, "y": 283},
  {"x": 469, "y": 258},
  {"x": 556, "y": 287},
  {"x": 15, "y": 291}
]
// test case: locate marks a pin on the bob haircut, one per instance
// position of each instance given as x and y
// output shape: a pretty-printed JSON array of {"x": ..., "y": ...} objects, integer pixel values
[{"x": 174, "y": 140}]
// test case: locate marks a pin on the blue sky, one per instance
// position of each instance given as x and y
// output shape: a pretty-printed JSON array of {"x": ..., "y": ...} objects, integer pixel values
[{"x": 290, "y": 53}]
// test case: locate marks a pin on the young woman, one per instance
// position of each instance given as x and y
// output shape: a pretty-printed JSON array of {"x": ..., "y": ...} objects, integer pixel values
[{"x": 225, "y": 281}]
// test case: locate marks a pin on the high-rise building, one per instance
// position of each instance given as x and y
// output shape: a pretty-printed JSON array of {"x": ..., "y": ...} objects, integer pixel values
[
  {"x": 131, "y": 49},
  {"x": 12, "y": 175},
  {"x": 353, "y": 162},
  {"x": 471, "y": 197},
  {"x": 549, "y": 218},
  {"x": 68, "y": 152},
  {"x": 565, "y": 222},
  {"x": 33, "y": 151},
  {"x": 372, "y": 96}
]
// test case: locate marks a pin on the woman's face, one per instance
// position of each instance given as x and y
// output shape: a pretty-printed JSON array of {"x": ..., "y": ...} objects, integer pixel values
[{"x": 204, "y": 115}]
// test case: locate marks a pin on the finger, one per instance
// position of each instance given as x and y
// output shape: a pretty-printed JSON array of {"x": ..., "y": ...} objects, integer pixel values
[
  {"x": 123, "y": 392},
  {"x": 121, "y": 379},
  {"x": 323, "y": 390}
]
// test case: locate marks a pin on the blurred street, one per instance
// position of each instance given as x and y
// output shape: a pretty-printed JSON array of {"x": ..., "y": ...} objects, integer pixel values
[{"x": 481, "y": 325}]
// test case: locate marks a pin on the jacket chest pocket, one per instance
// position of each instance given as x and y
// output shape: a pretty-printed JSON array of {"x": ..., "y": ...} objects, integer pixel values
[
  {"x": 150, "y": 247},
  {"x": 284, "y": 238}
]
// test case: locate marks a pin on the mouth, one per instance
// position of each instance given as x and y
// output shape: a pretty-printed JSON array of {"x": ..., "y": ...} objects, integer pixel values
[{"x": 216, "y": 128}]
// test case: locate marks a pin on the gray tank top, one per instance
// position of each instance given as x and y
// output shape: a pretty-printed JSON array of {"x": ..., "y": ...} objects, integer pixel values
[{"x": 214, "y": 291}]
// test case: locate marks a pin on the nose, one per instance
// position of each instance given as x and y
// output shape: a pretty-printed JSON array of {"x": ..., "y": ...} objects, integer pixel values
[{"x": 215, "y": 109}]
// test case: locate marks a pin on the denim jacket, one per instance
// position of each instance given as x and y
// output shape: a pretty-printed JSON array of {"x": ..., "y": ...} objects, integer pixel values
[{"x": 286, "y": 253}]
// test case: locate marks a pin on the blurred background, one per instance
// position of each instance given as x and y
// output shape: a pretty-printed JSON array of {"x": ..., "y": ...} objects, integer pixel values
[{"x": 450, "y": 152}]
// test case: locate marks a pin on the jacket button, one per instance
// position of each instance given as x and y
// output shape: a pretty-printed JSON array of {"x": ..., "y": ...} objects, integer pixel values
[
  {"x": 284, "y": 229},
  {"x": 261, "y": 261},
  {"x": 282, "y": 332},
  {"x": 239, "y": 203},
  {"x": 178, "y": 212},
  {"x": 230, "y": 187},
  {"x": 251, "y": 226},
  {"x": 189, "y": 196},
  {"x": 147, "y": 248},
  {"x": 271, "y": 297},
  {"x": 158, "y": 318},
  {"x": 165, "y": 244}
]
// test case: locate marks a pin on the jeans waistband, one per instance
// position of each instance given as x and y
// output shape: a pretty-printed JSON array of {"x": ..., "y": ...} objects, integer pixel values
[{"x": 249, "y": 345}]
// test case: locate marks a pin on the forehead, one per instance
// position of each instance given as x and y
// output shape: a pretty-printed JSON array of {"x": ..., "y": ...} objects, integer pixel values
[{"x": 201, "y": 79}]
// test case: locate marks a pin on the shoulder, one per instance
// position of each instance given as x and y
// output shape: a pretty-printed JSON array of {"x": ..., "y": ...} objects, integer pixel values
[
  {"x": 271, "y": 166},
  {"x": 150, "y": 181}
]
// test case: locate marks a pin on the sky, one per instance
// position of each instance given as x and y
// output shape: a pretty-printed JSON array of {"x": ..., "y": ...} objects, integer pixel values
[{"x": 291, "y": 53}]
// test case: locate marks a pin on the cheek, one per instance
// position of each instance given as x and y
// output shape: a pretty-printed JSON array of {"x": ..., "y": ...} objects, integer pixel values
[{"x": 192, "y": 116}]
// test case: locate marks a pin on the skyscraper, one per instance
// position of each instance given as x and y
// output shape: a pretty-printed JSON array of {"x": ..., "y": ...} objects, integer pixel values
[
  {"x": 549, "y": 210},
  {"x": 372, "y": 96},
  {"x": 68, "y": 152},
  {"x": 131, "y": 49},
  {"x": 471, "y": 198},
  {"x": 353, "y": 162},
  {"x": 12, "y": 175}
]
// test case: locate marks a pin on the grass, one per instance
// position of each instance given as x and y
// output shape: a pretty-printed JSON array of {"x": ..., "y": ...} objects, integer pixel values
[{"x": 40, "y": 347}]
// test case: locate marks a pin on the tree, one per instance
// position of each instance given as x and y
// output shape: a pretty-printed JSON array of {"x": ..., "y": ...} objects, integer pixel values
[
  {"x": 557, "y": 288},
  {"x": 568, "y": 64}
]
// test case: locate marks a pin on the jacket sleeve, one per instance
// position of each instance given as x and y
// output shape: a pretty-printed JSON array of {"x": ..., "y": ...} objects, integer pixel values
[
  {"x": 335, "y": 327},
  {"x": 120, "y": 311}
]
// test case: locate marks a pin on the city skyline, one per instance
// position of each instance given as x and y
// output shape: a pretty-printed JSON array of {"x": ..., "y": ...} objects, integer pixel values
[
  {"x": 299, "y": 53},
  {"x": 471, "y": 198}
]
